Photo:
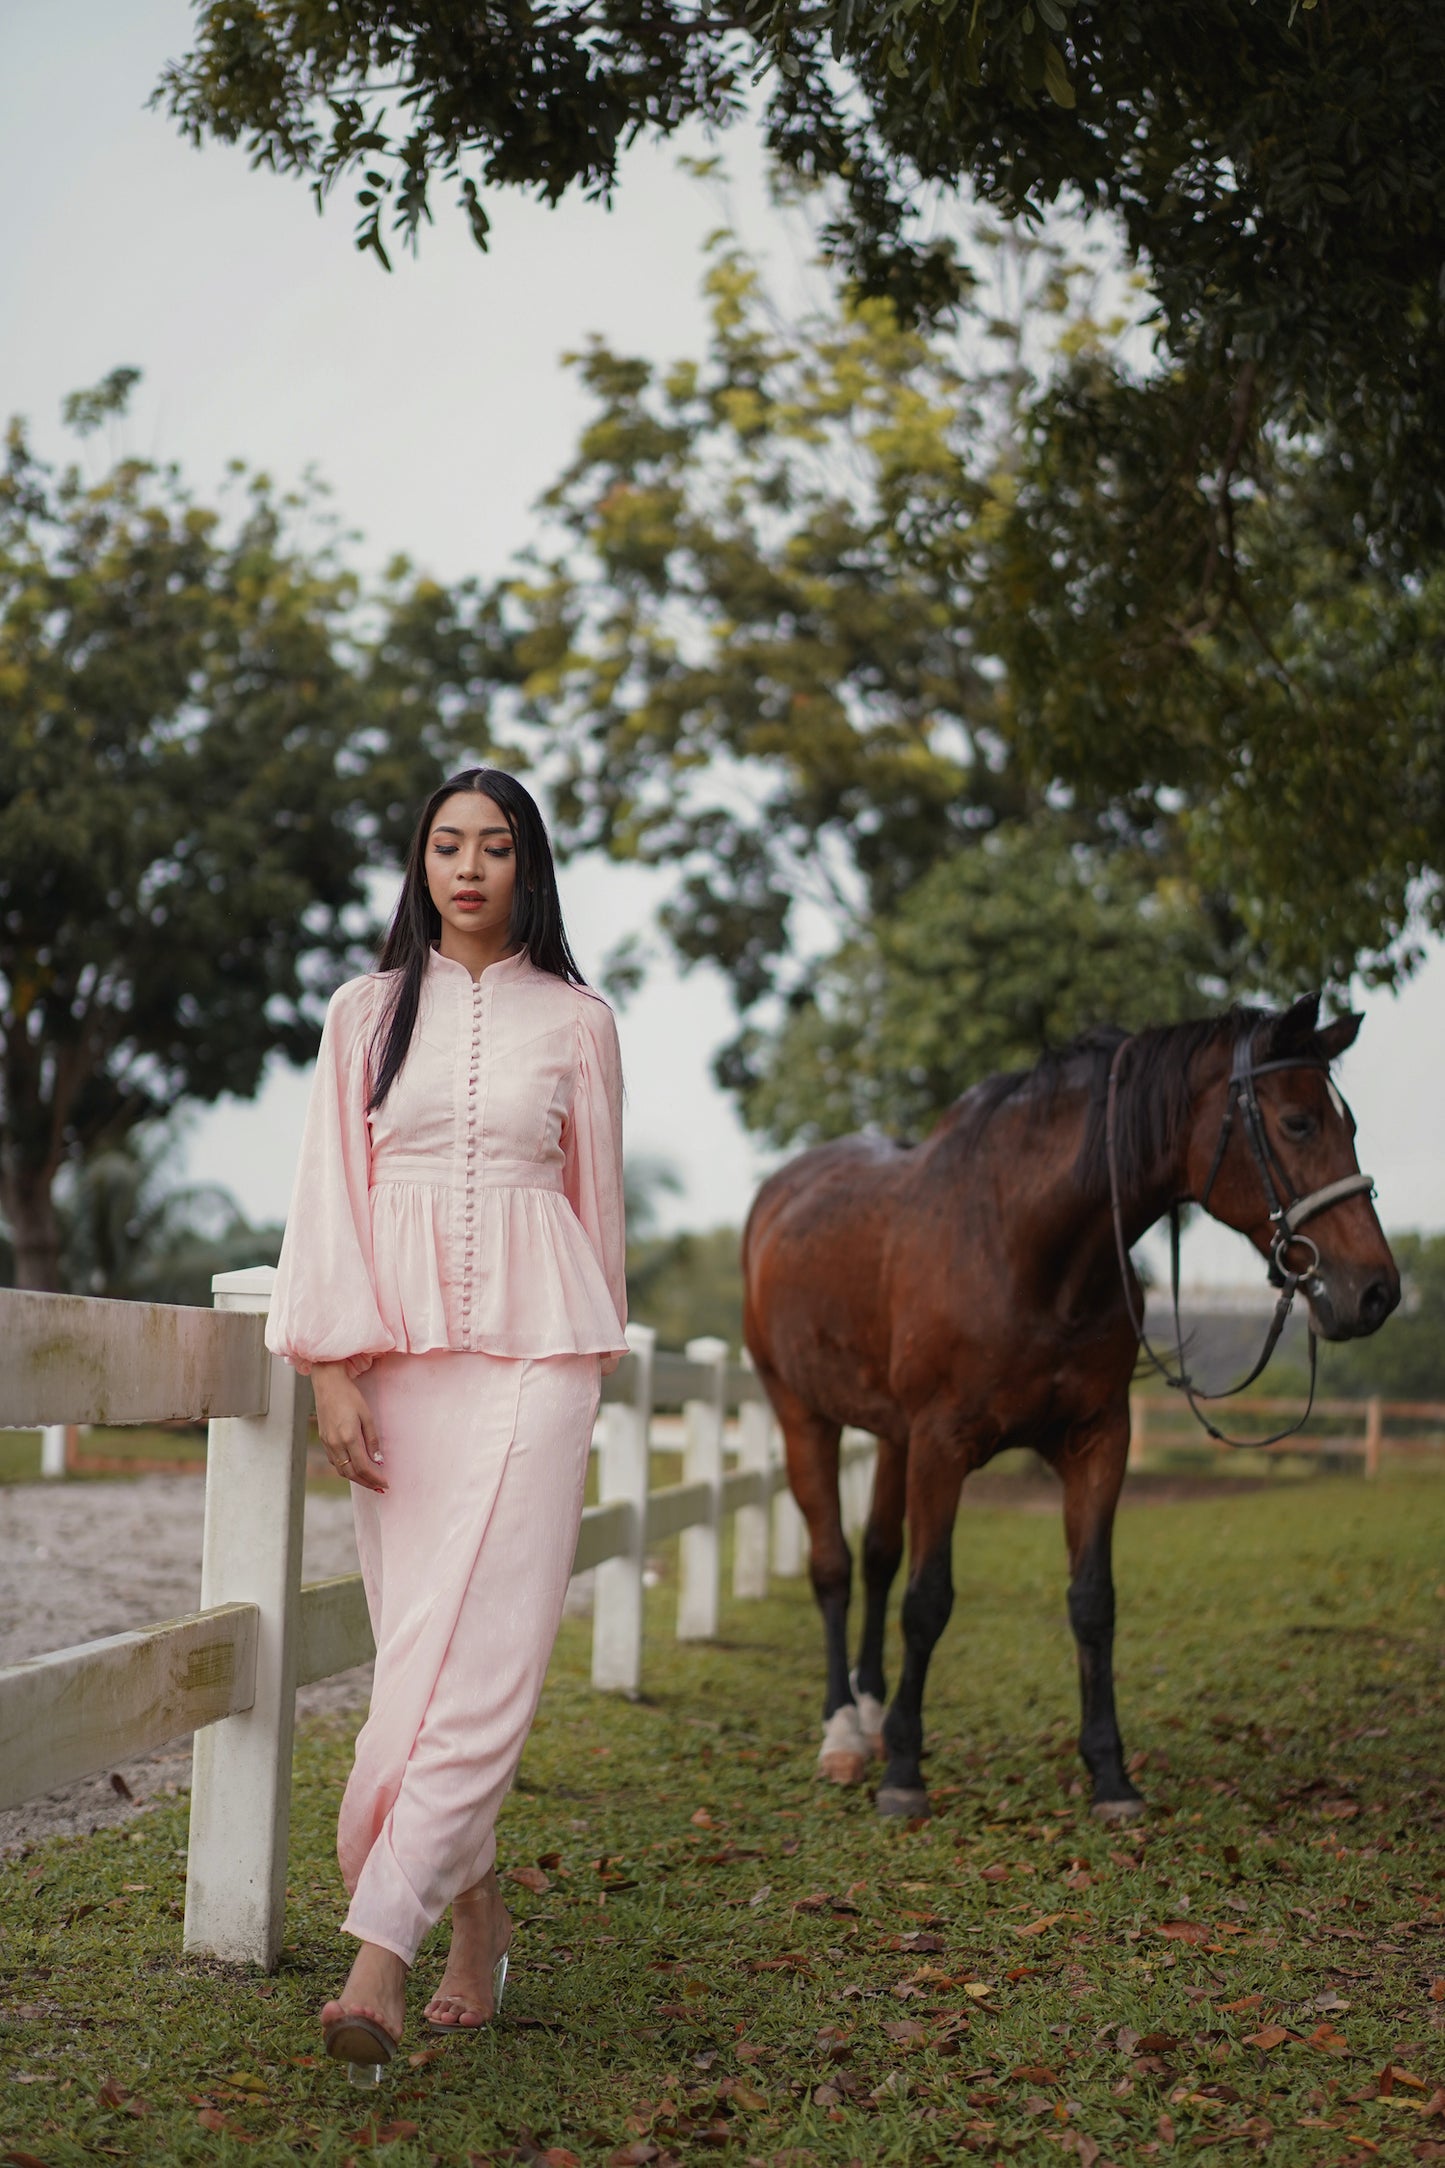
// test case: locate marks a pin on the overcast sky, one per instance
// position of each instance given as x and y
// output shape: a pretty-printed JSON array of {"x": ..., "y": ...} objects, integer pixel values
[{"x": 436, "y": 405}]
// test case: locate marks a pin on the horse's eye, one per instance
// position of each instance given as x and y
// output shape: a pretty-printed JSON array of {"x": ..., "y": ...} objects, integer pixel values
[{"x": 1298, "y": 1126}]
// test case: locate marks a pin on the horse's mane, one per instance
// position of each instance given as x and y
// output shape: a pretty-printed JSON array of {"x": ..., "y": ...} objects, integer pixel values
[{"x": 1154, "y": 1085}]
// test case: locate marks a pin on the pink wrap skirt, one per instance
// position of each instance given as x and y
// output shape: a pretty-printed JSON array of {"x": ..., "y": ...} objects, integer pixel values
[{"x": 465, "y": 1560}]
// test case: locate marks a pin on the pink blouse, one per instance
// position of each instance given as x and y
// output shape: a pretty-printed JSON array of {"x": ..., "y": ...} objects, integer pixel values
[{"x": 480, "y": 1206}]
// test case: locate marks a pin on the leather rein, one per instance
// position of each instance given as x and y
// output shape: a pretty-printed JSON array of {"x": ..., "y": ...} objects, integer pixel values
[{"x": 1288, "y": 1214}]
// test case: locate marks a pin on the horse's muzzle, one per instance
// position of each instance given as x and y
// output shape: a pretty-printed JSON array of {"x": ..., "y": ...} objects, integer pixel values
[{"x": 1348, "y": 1302}]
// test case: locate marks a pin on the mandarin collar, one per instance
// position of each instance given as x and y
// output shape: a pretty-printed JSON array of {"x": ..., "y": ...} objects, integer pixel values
[{"x": 506, "y": 967}]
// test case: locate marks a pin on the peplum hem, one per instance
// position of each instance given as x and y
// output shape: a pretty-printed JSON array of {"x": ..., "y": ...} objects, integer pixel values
[{"x": 559, "y": 1305}]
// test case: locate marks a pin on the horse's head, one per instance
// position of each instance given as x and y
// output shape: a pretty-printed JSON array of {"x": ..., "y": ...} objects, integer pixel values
[{"x": 1272, "y": 1153}]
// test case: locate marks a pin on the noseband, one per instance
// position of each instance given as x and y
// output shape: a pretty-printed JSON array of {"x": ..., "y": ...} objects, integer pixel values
[{"x": 1288, "y": 1212}]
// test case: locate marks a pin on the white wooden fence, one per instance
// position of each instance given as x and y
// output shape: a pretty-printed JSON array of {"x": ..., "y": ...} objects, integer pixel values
[{"x": 229, "y": 1672}]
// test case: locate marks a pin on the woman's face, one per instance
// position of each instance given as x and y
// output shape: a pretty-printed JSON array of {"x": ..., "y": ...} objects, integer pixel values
[{"x": 471, "y": 865}]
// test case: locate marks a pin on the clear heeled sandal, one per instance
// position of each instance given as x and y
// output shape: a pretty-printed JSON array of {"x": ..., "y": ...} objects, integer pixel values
[{"x": 499, "y": 1982}]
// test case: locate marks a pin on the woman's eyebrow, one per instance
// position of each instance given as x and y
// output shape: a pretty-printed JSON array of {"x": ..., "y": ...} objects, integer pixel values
[{"x": 442, "y": 829}]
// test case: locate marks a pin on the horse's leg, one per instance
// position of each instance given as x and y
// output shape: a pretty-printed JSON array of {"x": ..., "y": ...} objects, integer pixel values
[
  {"x": 1092, "y": 1467},
  {"x": 810, "y": 1444},
  {"x": 936, "y": 1468},
  {"x": 882, "y": 1553}
]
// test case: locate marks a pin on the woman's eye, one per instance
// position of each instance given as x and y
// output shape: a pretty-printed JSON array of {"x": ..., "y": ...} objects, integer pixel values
[
  {"x": 445, "y": 850},
  {"x": 500, "y": 850}
]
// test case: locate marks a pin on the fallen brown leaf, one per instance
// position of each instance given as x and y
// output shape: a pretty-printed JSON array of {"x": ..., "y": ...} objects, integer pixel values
[
  {"x": 1325, "y": 2036},
  {"x": 1183, "y": 1931},
  {"x": 1156, "y": 2043},
  {"x": 1036, "y": 2074},
  {"x": 531, "y": 1878},
  {"x": 114, "y": 2095},
  {"x": 1036, "y": 1927},
  {"x": 1269, "y": 2036},
  {"x": 907, "y": 2032}
]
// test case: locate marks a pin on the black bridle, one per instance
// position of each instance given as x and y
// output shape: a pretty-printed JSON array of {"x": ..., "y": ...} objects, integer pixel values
[{"x": 1288, "y": 1214}]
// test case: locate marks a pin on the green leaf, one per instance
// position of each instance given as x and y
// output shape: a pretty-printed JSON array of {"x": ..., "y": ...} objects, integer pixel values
[{"x": 1056, "y": 77}]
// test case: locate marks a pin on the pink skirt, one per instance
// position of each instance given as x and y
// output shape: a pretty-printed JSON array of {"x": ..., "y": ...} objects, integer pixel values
[{"x": 465, "y": 1561}]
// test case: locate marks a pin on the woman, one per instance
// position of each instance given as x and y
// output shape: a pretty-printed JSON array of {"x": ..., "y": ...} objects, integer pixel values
[{"x": 452, "y": 1279}]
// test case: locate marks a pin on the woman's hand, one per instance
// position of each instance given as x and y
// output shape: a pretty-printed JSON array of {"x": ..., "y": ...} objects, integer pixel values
[
  {"x": 347, "y": 1426},
  {"x": 609, "y": 1364}
]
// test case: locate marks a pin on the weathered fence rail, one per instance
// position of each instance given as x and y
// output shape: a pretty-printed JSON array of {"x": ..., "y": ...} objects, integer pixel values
[
  {"x": 229, "y": 1672},
  {"x": 1159, "y": 1422}
]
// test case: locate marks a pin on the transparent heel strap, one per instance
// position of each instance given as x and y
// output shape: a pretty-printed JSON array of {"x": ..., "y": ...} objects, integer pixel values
[
  {"x": 499, "y": 1982},
  {"x": 366, "y": 2074}
]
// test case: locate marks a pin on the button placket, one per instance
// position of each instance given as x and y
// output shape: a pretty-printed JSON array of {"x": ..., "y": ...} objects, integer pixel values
[{"x": 469, "y": 1225}]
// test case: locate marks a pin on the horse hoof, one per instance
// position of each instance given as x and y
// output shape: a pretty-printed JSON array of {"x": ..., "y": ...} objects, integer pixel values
[
  {"x": 1115, "y": 1811},
  {"x": 843, "y": 1758},
  {"x": 901, "y": 1803}
]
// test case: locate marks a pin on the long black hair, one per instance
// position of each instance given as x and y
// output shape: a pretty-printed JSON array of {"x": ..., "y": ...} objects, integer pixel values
[{"x": 536, "y": 923}]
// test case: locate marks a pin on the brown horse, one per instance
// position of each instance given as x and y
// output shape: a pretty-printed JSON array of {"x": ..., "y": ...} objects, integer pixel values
[{"x": 966, "y": 1295}]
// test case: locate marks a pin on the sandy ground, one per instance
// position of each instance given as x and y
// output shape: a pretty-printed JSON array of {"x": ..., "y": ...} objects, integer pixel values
[{"x": 80, "y": 1560}]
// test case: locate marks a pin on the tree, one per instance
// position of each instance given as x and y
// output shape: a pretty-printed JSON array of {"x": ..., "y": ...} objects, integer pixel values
[
  {"x": 998, "y": 954},
  {"x": 207, "y": 736},
  {"x": 1276, "y": 168},
  {"x": 126, "y": 1230},
  {"x": 751, "y": 652}
]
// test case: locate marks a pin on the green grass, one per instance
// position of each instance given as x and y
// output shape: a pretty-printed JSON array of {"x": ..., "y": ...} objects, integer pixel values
[
  {"x": 20, "y": 1449},
  {"x": 733, "y": 1963}
]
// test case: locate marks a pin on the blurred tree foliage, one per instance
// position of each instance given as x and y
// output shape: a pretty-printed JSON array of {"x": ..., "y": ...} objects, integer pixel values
[
  {"x": 1003, "y": 950},
  {"x": 1405, "y": 1359},
  {"x": 683, "y": 1285},
  {"x": 207, "y": 736},
  {"x": 754, "y": 656},
  {"x": 125, "y": 1230},
  {"x": 686, "y": 1285},
  {"x": 1277, "y": 168}
]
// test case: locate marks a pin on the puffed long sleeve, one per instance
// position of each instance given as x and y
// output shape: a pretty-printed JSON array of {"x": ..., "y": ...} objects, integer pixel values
[
  {"x": 592, "y": 1147},
  {"x": 325, "y": 1307}
]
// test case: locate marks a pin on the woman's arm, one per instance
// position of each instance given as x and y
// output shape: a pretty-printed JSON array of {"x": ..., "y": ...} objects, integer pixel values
[
  {"x": 324, "y": 1308},
  {"x": 592, "y": 1151}
]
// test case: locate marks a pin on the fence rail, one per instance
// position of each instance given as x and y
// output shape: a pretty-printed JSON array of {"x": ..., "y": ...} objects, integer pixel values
[
  {"x": 1158, "y": 1422},
  {"x": 229, "y": 1671}
]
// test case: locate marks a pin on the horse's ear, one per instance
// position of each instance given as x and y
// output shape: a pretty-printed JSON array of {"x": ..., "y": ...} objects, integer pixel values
[
  {"x": 1342, "y": 1033},
  {"x": 1295, "y": 1027}
]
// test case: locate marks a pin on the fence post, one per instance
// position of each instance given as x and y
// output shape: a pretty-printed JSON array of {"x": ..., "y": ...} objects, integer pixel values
[
  {"x": 699, "y": 1559},
  {"x": 623, "y": 1437},
  {"x": 1374, "y": 1434},
  {"x": 53, "y": 1441},
  {"x": 750, "y": 1523},
  {"x": 788, "y": 1526},
  {"x": 1138, "y": 1430},
  {"x": 855, "y": 1482},
  {"x": 241, "y": 1768}
]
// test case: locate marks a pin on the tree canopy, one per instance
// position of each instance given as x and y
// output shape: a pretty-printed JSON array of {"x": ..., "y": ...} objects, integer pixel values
[
  {"x": 1214, "y": 579},
  {"x": 208, "y": 734}
]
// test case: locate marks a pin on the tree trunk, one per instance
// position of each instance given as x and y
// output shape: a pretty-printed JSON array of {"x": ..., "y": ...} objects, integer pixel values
[{"x": 25, "y": 1195}]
